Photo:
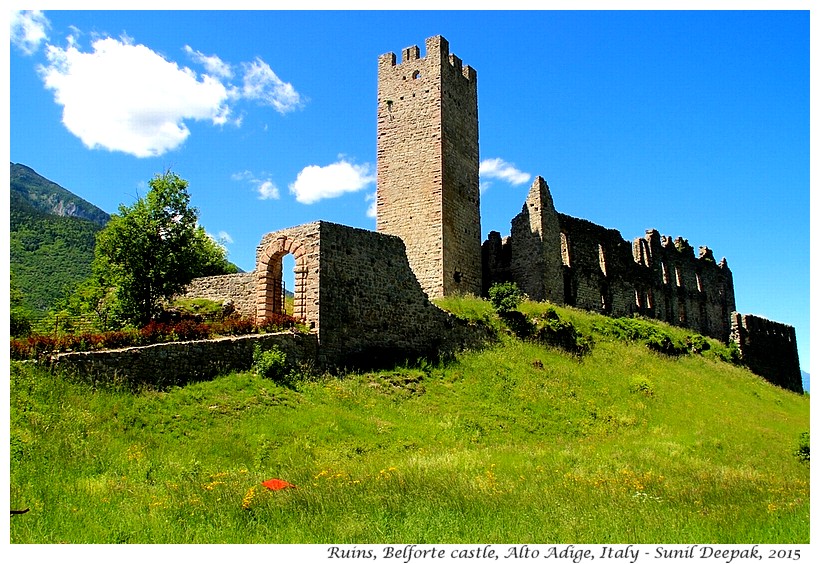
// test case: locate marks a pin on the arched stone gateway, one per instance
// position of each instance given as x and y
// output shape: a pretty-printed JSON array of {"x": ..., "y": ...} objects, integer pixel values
[{"x": 273, "y": 247}]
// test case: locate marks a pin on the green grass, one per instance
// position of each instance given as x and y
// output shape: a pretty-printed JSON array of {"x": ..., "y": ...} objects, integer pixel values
[{"x": 519, "y": 443}]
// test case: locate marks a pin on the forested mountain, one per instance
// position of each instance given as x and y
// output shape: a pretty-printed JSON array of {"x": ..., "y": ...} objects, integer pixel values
[
  {"x": 51, "y": 237},
  {"x": 49, "y": 197}
]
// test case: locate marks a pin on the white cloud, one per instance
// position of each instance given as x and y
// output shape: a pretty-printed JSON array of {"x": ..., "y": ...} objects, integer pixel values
[
  {"x": 265, "y": 187},
  {"x": 213, "y": 64},
  {"x": 224, "y": 236},
  {"x": 371, "y": 209},
  {"x": 28, "y": 30},
  {"x": 268, "y": 190},
  {"x": 502, "y": 170},
  {"x": 125, "y": 97},
  {"x": 316, "y": 183},
  {"x": 261, "y": 83}
]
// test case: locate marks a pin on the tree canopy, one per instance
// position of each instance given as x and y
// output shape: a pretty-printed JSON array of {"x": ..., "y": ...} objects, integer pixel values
[{"x": 151, "y": 250}]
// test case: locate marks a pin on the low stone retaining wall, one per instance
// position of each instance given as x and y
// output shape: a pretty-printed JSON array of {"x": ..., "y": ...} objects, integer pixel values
[{"x": 176, "y": 364}]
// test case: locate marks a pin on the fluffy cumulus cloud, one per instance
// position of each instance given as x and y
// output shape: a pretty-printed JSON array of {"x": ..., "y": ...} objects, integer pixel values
[
  {"x": 316, "y": 183},
  {"x": 500, "y": 170},
  {"x": 123, "y": 96}
]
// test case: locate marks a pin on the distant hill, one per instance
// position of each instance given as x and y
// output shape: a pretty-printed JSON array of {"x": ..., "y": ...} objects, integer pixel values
[
  {"x": 43, "y": 195},
  {"x": 52, "y": 235},
  {"x": 806, "y": 380}
]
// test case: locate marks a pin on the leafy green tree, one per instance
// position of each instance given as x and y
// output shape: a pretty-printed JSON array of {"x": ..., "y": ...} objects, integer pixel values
[
  {"x": 19, "y": 322},
  {"x": 149, "y": 251}
]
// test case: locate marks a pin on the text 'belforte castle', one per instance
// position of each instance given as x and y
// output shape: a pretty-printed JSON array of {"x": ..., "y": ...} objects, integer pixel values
[{"x": 365, "y": 293}]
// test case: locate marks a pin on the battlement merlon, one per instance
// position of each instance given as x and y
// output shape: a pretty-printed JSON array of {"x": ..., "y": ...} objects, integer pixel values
[{"x": 437, "y": 49}]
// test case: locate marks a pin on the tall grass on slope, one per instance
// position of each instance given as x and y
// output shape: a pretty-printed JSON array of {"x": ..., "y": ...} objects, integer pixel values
[{"x": 519, "y": 443}]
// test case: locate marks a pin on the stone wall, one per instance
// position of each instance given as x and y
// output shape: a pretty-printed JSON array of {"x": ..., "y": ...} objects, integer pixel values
[
  {"x": 575, "y": 262},
  {"x": 356, "y": 293},
  {"x": 176, "y": 364},
  {"x": 769, "y": 349},
  {"x": 427, "y": 165},
  {"x": 240, "y": 289},
  {"x": 372, "y": 308}
]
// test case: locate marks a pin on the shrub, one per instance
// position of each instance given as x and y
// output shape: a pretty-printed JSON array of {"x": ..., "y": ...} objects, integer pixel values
[
  {"x": 235, "y": 325},
  {"x": 189, "y": 330},
  {"x": 276, "y": 322},
  {"x": 272, "y": 364},
  {"x": 505, "y": 296},
  {"x": 803, "y": 447},
  {"x": 640, "y": 385}
]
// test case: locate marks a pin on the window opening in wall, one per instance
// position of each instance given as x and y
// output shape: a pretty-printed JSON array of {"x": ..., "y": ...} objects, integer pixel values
[
  {"x": 565, "y": 248},
  {"x": 416, "y": 75},
  {"x": 457, "y": 277},
  {"x": 288, "y": 285},
  {"x": 601, "y": 258}
]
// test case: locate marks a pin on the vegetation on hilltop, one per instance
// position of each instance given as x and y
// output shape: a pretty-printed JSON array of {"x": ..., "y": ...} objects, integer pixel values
[
  {"x": 54, "y": 235},
  {"x": 523, "y": 442}
]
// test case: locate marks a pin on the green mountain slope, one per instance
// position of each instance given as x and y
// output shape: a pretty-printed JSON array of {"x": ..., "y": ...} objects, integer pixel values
[
  {"x": 518, "y": 443},
  {"x": 51, "y": 237}
]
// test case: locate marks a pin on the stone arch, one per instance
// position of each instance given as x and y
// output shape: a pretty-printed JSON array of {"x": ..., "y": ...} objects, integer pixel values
[{"x": 269, "y": 279}]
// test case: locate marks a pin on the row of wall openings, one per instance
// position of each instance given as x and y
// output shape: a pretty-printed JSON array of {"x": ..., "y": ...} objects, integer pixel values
[
  {"x": 647, "y": 300},
  {"x": 677, "y": 275}
]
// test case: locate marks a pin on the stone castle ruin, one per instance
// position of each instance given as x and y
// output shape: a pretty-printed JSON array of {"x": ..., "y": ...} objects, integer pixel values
[{"x": 365, "y": 295}]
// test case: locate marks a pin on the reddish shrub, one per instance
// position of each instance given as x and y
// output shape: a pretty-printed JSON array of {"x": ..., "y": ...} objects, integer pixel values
[
  {"x": 118, "y": 339},
  {"x": 190, "y": 330},
  {"x": 236, "y": 325},
  {"x": 277, "y": 322}
]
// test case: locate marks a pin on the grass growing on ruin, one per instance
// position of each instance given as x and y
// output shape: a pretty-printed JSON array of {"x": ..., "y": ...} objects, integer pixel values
[{"x": 519, "y": 443}]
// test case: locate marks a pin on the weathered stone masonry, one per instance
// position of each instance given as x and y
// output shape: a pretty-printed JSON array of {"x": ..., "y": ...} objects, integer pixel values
[{"x": 427, "y": 171}]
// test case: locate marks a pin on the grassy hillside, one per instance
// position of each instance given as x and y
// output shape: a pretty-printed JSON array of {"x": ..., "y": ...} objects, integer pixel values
[{"x": 519, "y": 443}]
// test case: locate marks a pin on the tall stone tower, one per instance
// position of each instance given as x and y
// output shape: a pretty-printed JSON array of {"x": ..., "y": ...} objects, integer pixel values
[{"x": 427, "y": 173}]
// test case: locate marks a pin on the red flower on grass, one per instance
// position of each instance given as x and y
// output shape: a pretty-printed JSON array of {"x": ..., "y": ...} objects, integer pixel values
[{"x": 275, "y": 484}]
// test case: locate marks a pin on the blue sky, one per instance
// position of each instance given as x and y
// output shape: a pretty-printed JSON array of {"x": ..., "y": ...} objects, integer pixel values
[{"x": 692, "y": 123}]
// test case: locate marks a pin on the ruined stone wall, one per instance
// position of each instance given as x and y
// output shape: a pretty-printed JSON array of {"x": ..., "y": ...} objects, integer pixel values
[
  {"x": 178, "y": 363},
  {"x": 427, "y": 165},
  {"x": 535, "y": 258},
  {"x": 769, "y": 349},
  {"x": 575, "y": 262},
  {"x": 240, "y": 289},
  {"x": 372, "y": 308}
]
